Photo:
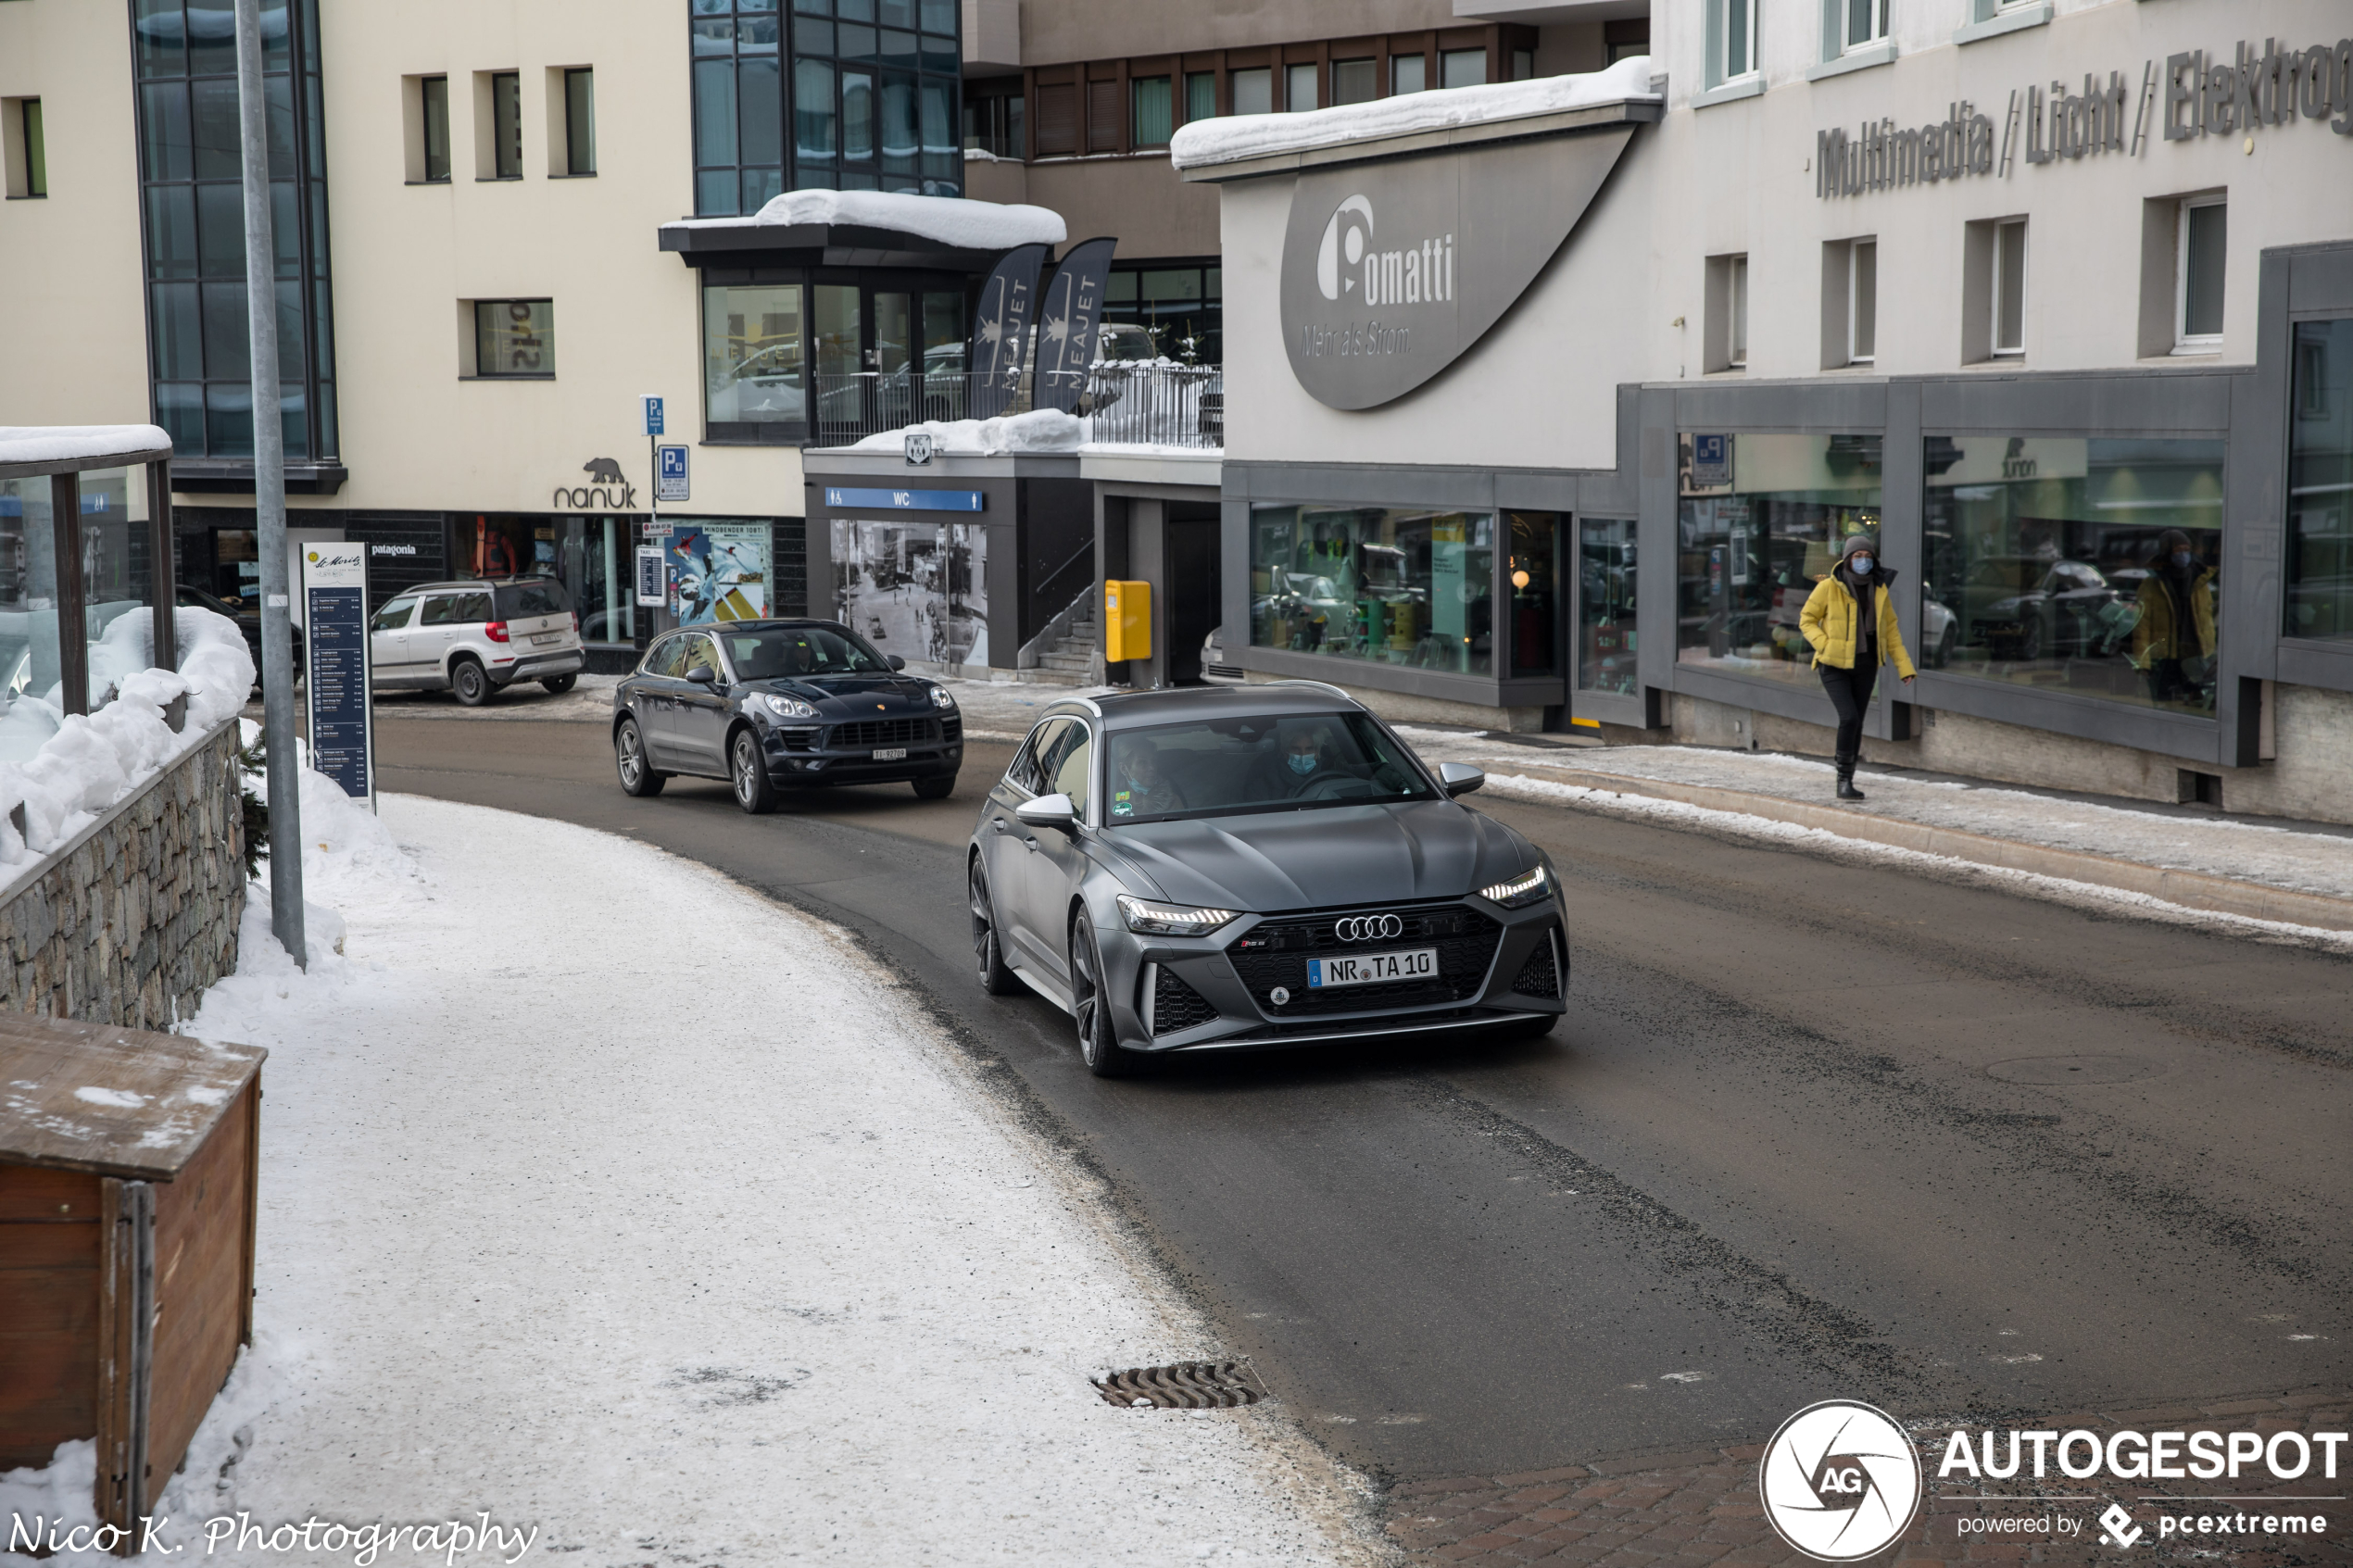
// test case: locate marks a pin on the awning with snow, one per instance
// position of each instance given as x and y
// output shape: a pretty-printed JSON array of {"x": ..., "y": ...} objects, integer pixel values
[
  {"x": 864, "y": 229},
  {"x": 28, "y": 450}
]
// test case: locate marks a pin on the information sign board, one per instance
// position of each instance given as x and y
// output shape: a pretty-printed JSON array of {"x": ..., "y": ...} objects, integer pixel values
[{"x": 335, "y": 664}]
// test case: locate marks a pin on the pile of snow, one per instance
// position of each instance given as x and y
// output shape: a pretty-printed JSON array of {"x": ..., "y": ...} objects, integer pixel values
[
  {"x": 67, "y": 443},
  {"x": 949, "y": 220},
  {"x": 65, "y": 768},
  {"x": 1040, "y": 430},
  {"x": 1236, "y": 137}
]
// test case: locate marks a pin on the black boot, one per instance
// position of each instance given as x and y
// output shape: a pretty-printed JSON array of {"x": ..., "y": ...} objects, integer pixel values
[{"x": 1846, "y": 790}]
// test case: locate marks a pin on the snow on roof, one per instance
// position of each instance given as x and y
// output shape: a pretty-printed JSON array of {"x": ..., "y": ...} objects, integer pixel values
[
  {"x": 64, "y": 444},
  {"x": 949, "y": 220},
  {"x": 1236, "y": 137},
  {"x": 1040, "y": 430}
]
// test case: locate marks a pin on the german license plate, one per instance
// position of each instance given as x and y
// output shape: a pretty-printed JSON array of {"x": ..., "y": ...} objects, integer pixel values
[
  {"x": 1372, "y": 969},
  {"x": 890, "y": 754}
]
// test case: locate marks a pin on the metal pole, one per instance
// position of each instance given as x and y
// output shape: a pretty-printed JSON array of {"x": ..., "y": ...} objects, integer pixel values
[
  {"x": 163, "y": 579},
  {"x": 270, "y": 500}
]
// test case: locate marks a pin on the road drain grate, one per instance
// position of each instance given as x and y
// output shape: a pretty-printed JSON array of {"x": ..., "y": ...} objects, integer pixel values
[{"x": 1188, "y": 1386}]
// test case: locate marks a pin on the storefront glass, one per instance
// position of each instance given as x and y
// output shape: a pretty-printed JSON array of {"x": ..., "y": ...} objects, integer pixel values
[
  {"x": 2073, "y": 565},
  {"x": 1534, "y": 570},
  {"x": 754, "y": 368},
  {"x": 593, "y": 558},
  {"x": 2320, "y": 484},
  {"x": 919, "y": 590},
  {"x": 1407, "y": 587},
  {"x": 1606, "y": 640},
  {"x": 1761, "y": 521}
]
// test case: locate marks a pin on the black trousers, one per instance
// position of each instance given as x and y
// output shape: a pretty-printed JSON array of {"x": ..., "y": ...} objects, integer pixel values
[{"x": 1850, "y": 693}]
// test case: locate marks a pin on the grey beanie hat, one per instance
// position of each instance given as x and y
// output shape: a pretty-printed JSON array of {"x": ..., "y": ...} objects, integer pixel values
[{"x": 1859, "y": 542}]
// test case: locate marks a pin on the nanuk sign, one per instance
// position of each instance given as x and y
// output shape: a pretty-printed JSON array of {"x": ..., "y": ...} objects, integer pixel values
[
  {"x": 2201, "y": 96},
  {"x": 1393, "y": 270}
]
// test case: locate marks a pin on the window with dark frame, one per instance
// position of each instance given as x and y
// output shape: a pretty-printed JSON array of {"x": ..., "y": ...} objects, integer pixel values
[
  {"x": 1154, "y": 111},
  {"x": 1355, "y": 81},
  {"x": 1862, "y": 302},
  {"x": 192, "y": 223},
  {"x": 2202, "y": 249},
  {"x": 1408, "y": 73},
  {"x": 580, "y": 122},
  {"x": 993, "y": 119},
  {"x": 506, "y": 124},
  {"x": 1254, "y": 90},
  {"x": 2009, "y": 312},
  {"x": 434, "y": 92},
  {"x": 515, "y": 339},
  {"x": 1201, "y": 95},
  {"x": 36, "y": 147}
]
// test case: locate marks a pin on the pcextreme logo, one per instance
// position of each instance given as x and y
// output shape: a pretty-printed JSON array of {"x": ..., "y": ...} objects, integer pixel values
[{"x": 1840, "y": 1481}]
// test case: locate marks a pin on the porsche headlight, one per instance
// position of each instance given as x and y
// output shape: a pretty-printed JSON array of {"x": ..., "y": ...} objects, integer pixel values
[
  {"x": 784, "y": 707},
  {"x": 1170, "y": 920},
  {"x": 1520, "y": 891},
  {"x": 940, "y": 697}
]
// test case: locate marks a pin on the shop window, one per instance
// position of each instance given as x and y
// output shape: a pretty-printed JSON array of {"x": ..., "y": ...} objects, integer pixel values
[
  {"x": 1155, "y": 111},
  {"x": 1731, "y": 41},
  {"x": 755, "y": 370},
  {"x": 2063, "y": 564},
  {"x": 1201, "y": 95},
  {"x": 24, "y": 150},
  {"x": 1533, "y": 575},
  {"x": 1355, "y": 81},
  {"x": 515, "y": 339},
  {"x": 580, "y": 122},
  {"x": 1408, "y": 73},
  {"x": 1724, "y": 327},
  {"x": 2319, "y": 482},
  {"x": 1299, "y": 88},
  {"x": 1605, "y": 642},
  {"x": 1405, "y": 587},
  {"x": 2201, "y": 248},
  {"x": 1255, "y": 90},
  {"x": 1761, "y": 521}
]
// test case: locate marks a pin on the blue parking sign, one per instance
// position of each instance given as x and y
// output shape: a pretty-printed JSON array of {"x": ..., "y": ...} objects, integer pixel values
[
  {"x": 654, "y": 415},
  {"x": 670, "y": 475}
]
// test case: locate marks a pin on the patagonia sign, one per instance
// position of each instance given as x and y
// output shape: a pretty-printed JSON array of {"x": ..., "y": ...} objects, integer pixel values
[{"x": 1393, "y": 270}]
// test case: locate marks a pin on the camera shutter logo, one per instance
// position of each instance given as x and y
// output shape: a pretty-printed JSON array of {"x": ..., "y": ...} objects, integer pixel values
[
  {"x": 1367, "y": 928},
  {"x": 1840, "y": 1481}
]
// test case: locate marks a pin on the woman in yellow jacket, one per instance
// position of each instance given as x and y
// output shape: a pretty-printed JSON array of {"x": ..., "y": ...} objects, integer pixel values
[{"x": 1850, "y": 620}]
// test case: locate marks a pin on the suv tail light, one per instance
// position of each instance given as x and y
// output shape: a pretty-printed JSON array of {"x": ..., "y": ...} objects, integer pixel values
[
  {"x": 496, "y": 631},
  {"x": 575, "y": 623}
]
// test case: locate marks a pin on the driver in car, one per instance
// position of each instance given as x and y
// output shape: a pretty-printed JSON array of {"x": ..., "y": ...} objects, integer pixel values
[{"x": 1304, "y": 758}]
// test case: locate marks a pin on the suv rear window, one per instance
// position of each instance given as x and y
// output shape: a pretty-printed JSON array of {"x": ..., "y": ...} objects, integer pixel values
[
  {"x": 521, "y": 601},
  {"x": 456, "y": 609}
]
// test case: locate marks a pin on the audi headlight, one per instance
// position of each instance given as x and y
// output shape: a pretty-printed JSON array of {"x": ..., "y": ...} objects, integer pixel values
[
  {"x": 940, "y": 697},
  {"x": 1170, "y": 920},
  {"x": 784, "y": 707},
  {"x": 1520, "y": 891}
]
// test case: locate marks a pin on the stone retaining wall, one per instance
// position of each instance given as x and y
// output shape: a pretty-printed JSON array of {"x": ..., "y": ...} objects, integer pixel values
[{"x": 133, "y": 917}]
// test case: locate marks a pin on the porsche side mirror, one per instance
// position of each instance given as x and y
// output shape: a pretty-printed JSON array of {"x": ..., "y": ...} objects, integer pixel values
[
  {"x": 1459, "y": 778},
  {"x": 703, "y": 675},
  {"x": 894, "y": 662},
  {"x": 1048, "y": 812}
]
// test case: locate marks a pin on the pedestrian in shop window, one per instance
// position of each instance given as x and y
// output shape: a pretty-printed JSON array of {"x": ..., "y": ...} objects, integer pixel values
[
  {"x": 1850, "y": 622},
  {"x": 2173, "y": 640}
]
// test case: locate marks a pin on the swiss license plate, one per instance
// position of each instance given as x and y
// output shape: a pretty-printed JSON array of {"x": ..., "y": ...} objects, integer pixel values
[
  {"x": 541, "y": 639},
  {"x": 890, "y": 753},
  {"x": 1372, "y": 969}
]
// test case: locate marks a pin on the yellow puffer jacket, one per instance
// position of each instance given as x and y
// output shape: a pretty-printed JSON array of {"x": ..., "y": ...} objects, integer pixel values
[
  {"x": 1829, "y": 623},
  {"x": 2159, "y": 636}
]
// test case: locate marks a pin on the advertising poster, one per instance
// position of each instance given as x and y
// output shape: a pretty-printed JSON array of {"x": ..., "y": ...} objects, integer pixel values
[
  {"x": 917, "y": 589},
  {"x": 718, "y": 570}
]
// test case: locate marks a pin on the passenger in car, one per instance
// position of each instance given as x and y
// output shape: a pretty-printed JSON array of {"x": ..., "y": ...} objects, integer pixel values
[{"x": 1143, "y": 788}]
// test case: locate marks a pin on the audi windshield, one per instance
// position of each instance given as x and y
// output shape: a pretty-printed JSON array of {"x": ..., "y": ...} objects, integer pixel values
[{"x": 1222, "y": 766}]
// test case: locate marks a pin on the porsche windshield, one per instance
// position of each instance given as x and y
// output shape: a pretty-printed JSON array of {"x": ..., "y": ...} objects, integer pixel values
[
  {"x": 791, "y": 653},
  {"x": 1218, "y": 766}
]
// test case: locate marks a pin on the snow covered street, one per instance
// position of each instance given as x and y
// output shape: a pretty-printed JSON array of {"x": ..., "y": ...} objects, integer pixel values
[{"x": 680, "y": 1238}]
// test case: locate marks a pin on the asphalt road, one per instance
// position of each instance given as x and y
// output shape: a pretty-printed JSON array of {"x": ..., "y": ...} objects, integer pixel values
[{"x": 1810, "y": 1129}]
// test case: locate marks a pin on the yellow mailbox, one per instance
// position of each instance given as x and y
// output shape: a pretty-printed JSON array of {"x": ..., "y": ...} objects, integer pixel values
[{"x": 1127, "y": 621}]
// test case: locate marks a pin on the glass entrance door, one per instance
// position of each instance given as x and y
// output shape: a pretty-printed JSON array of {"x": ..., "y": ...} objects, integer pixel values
[{"x": 1604, "y": 636}]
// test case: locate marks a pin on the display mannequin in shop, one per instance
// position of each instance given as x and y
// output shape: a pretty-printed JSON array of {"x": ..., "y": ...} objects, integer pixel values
[{"x": 1849, "y": 620}]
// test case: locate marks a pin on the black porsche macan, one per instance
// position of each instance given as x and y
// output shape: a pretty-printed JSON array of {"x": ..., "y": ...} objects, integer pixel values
[{"x": 777, "y": 705}]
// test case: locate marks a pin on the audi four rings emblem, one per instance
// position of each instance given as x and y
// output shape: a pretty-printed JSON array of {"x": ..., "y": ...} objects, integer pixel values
[{"x": 1367, "y": 928}]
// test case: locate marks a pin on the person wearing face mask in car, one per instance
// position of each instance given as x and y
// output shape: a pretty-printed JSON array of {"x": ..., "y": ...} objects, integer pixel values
[{"x": 1849, "y": 620}]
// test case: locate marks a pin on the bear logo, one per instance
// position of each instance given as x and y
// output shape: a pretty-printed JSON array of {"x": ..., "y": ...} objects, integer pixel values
[{"x": 602, "y": 470}]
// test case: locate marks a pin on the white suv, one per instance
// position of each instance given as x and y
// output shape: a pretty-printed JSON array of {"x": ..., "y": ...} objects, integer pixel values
[{"x": 473, "y": 638}]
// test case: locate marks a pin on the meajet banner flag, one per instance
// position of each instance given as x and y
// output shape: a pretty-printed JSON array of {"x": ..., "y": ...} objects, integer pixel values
[
  {"x": 1000, "y": 329},
  {"x": 1067, "y": 331}
]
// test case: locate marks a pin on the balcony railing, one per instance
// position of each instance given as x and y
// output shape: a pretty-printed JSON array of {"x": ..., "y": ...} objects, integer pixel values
[{"x": 1154, "y": 405}]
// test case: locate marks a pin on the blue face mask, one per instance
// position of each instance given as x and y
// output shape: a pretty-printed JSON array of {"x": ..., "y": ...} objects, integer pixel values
[
  {"x": 2182, "y": 558},
  {"x": 1862, "y": 565},
  {"x": 1303, "y": 764}
]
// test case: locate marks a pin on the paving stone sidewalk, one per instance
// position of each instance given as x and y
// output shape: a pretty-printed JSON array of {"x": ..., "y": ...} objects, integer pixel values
[{"x": 1683, "y": 1509}]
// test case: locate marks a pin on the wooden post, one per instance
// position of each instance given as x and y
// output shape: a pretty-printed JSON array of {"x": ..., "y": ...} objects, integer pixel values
[
  {"x": 73, "y": 609},
  {"x": 164, "y": 580}
]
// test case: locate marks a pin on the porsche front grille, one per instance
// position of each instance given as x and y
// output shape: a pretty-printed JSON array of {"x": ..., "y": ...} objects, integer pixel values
[{"x": 870, "y": 732}]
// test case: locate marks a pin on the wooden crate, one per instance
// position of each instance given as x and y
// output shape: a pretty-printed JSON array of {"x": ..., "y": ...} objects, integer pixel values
[{"x": 127, "y": 1192}]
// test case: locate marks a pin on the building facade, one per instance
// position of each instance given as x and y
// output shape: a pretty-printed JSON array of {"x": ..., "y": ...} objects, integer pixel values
[{"x": 2048, "y": 297}]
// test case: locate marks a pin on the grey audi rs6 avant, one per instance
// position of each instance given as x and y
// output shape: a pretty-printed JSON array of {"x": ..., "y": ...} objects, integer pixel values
[{"x": 1251, "y": 867}]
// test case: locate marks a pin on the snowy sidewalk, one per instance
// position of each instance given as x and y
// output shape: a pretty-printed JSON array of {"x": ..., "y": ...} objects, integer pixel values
[
  {"x": 609, "y": 1199},
  {"x": 2293, "y": 874}
]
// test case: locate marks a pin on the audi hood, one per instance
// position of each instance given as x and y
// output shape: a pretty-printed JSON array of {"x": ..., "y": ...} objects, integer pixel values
[{"x": 1322, "y": 857}]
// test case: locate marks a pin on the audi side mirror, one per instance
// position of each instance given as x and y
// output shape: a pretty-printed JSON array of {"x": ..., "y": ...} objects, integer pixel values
[
  {"x": 1049, "y": 812},
  {"x": 703, "y": 675},
  {"x": 1459, "y": 778}
]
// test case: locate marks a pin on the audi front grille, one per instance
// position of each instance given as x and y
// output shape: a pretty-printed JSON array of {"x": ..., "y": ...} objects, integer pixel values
[{"x": 1276, "y": 954}]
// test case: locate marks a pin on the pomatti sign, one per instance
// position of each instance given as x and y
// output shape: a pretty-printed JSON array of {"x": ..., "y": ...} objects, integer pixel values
[{"x": 1393, "y": 270}]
